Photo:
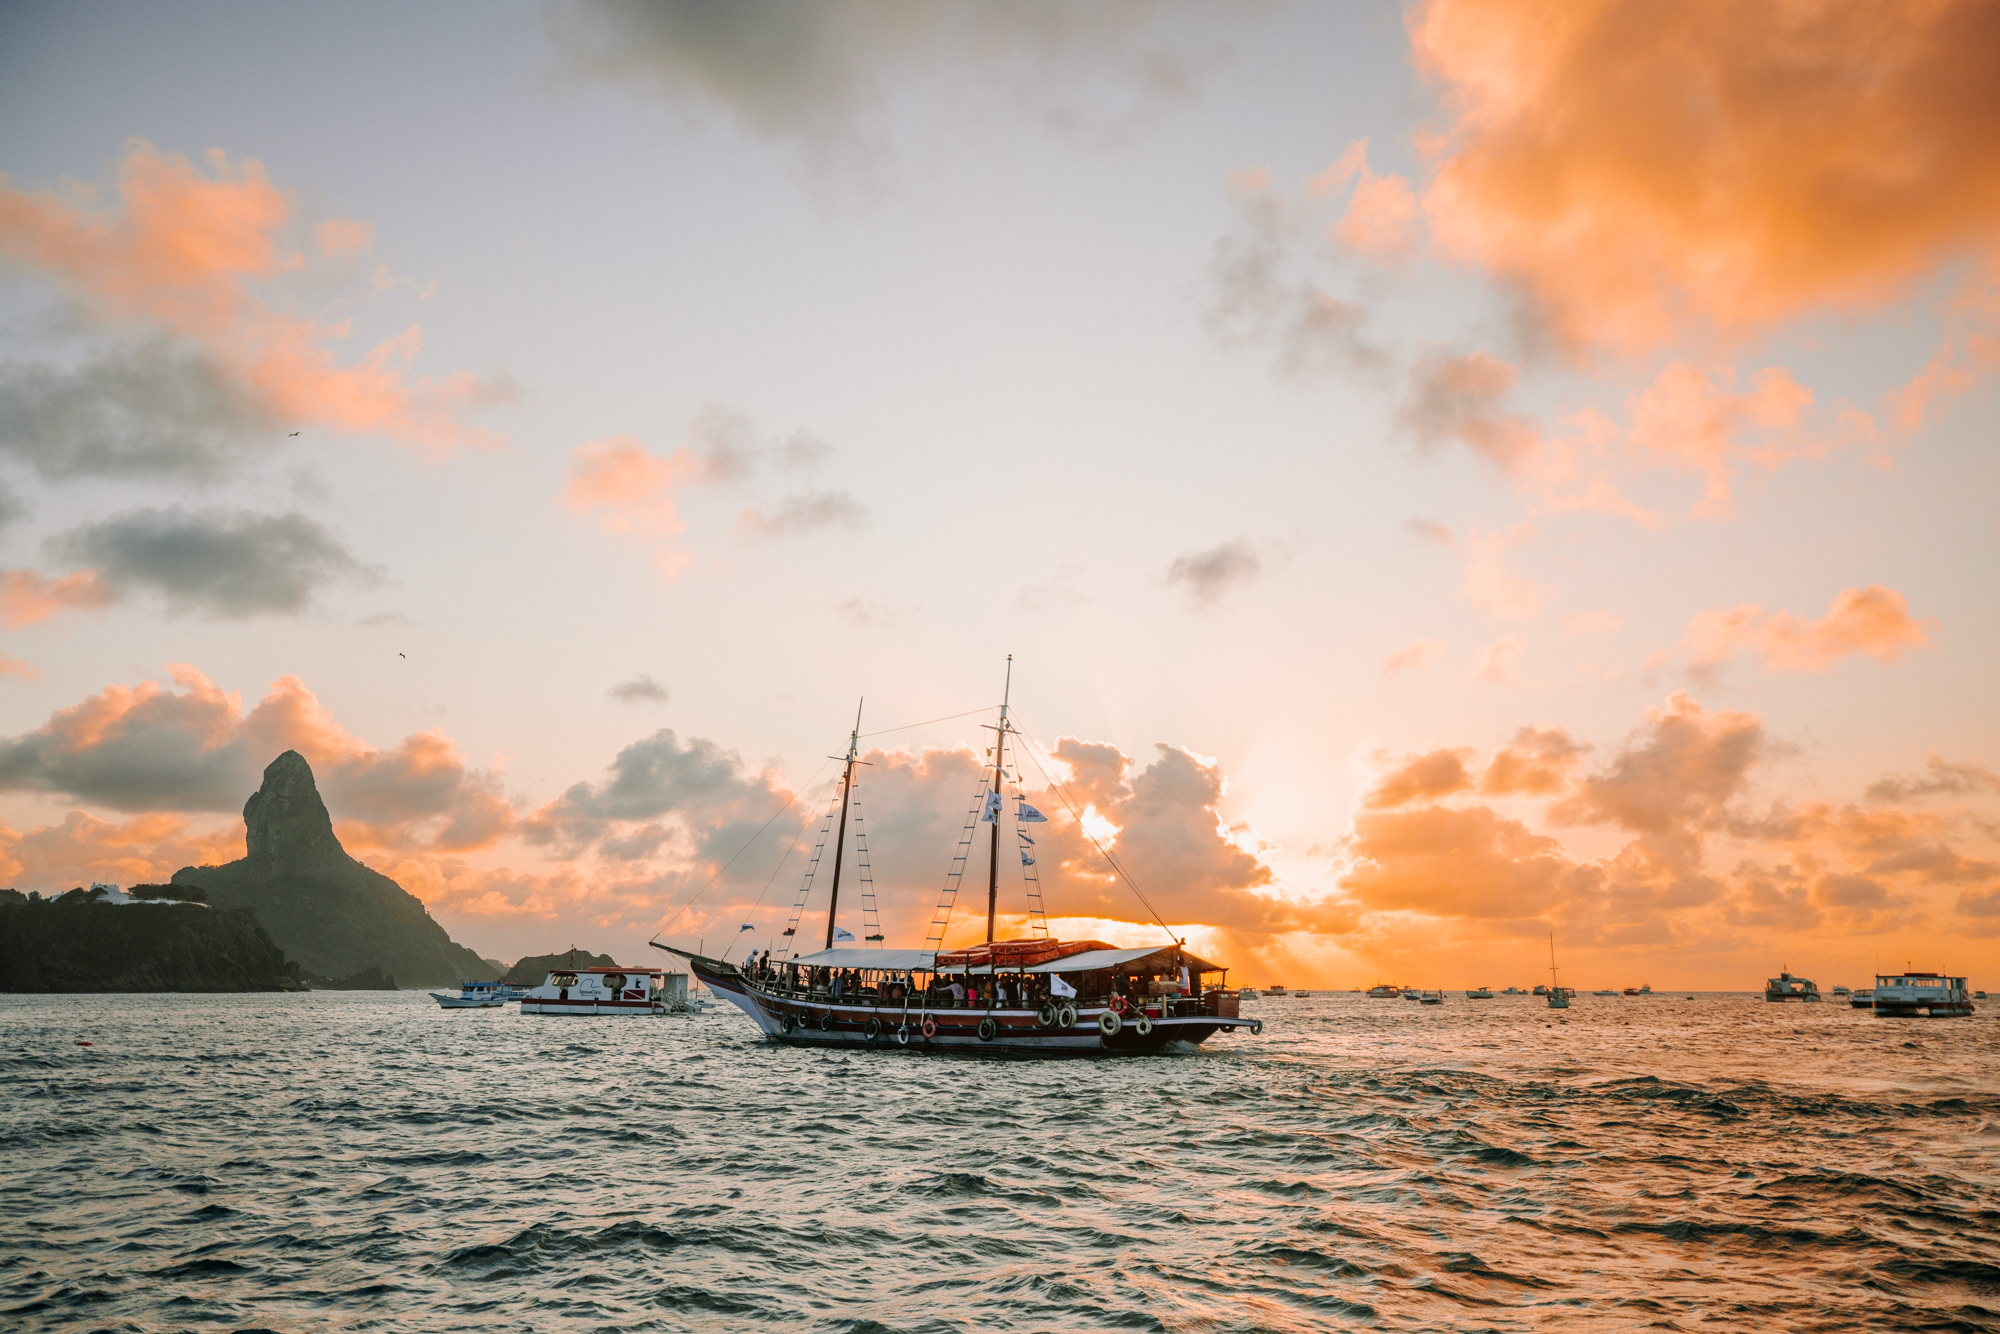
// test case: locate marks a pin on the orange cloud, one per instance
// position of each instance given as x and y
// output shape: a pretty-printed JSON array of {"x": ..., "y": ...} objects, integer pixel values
[
  {"x": 81, "y": 849},
  {"x": 1872, "y": 620},
  {"x": 1415, "y": 658},
  {"x": 1648, "y": 172},
  {"x": 180, "y": 255},
  {"x": 1381, "y": 218},
  {"x": 1439, "y": 773},
  {"x": 16, "y": 667},
  {"x": 147, "y": 748},
  {"x": 1688, "y": 417},
  {"x": 629, "y": 488},
  {"x": 28, "y": 596},
  {"x": 338, "y": 235}
]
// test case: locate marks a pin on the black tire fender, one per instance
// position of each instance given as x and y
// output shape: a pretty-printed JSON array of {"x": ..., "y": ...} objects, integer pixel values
[
  {"x": 1066, "y": 1017},
  {"x": 874, "y": 1029},
  {"x": 1046, "y": 1016},
  {"x": 1109, "y": 1023},
  {"x": 988, "y": 1030},
  {"x": 1143, "y": 1025}
]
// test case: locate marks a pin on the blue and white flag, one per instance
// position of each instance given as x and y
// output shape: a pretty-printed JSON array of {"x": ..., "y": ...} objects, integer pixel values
[
  {"x": 841, "y": 933},
  {"x": 992, "y": 815},
  {"x": 1058, "y": 987},
  {"x": 1026, "y": 860},
  {"x": 1029, "y": 815},
  {"x": 741, "y": 929}
]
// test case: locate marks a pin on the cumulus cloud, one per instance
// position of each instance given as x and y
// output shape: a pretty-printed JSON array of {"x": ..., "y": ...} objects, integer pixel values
[
  {"x": 694, "y": 782},
  {"x": 1872, "y": 620},
  {"x": 1424, "y": 845},
  {"x": 224, "y": 563},
  {"x": 150, "y": 408},
  {"x": 28, "y": 596},
  {"x": 626, "y": 487},
  {"x": 1838, "y": 150},
  {"x": 1381, "y": 217},
  {"x": 809, "y": 512},
  {"x": 1464, "y": 397},
  {"x": 150, "y": 749},
  {"x": 1207, "y": 578},
  {"x": 641, "y": 689},
  {"x": 179, "y": 256},
  {"x": 81, "y": 849}
]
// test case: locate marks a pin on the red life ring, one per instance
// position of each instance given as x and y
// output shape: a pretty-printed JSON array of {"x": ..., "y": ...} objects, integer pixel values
[
  {"x": 930, "y": 1027},
  {"x": 1118, "y": 1005}
]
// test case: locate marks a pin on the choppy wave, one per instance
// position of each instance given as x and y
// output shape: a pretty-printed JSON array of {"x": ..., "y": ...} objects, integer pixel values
[{"x": 339, "y": 1161}]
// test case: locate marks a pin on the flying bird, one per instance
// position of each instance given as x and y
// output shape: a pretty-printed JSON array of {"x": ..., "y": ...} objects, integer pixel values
[
  {"x": 402, "y": 655},
  {"x": 294, "y": 432}
]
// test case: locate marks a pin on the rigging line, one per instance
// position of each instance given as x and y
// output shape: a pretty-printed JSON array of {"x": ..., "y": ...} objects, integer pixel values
[
  {"x": 1102, "y": 851},
  {"x": 811, "y": 813},
  {"x": 927, "y": 722},
  {"x": 665, "y": 922}
]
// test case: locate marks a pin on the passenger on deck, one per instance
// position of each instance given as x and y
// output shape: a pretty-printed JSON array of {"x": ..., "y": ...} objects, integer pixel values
[{"x": 957, "y": 990}]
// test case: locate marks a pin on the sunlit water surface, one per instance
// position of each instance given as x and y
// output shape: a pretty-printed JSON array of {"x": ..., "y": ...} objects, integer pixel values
[{"x": 360, "y": 1161}]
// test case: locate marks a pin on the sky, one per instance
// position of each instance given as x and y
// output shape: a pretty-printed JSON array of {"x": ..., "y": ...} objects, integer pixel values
[{"x": 1449, "y": 477}]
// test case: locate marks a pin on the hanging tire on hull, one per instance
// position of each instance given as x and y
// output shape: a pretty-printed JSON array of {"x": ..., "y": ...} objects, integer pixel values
[
  {"x": 1109, "y": 1023},
  {"x": 1066, "y": 1017},
  {"x": 1143, "y": 1025},
  {"x": 785, "y": 1023},
  {"x": 1046, "y": 1016},
  {"x": 903, "y": 1036},
  {"x": 874, "y": 1029},
  {"x": 988, "y": 1030}
]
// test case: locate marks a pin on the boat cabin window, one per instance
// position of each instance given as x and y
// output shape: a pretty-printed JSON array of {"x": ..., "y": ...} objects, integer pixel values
[
  {"x": 564, "y": 979},
  {"x": 614, "y": 981}
]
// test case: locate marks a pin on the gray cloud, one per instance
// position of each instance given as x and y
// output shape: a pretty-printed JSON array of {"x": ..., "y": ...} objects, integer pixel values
[
  {"x": 698, "y": 781},
  {"x": 641, "y": 689},
  {"x": 1209, "y": 576},
  {"x": 12, "y": 507},
  {"x": 811, "y": 512},
  {"x": 149, "y": 409},
  {"x": 1940, "y": 779},
  {"x": 1429, "y": 530},
  {"x": 1254, "y": 299},
  {"x": 819, "y": 74},
  {"x": 224, "y": 563},
  {"x": 727, "y": 442}
]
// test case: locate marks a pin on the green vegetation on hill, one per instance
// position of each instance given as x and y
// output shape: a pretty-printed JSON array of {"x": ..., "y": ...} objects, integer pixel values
[{"x": 79, "y": 945}]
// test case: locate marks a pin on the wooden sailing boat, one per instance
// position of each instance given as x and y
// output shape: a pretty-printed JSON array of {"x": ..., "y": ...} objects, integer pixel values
[
  {"x": 1037, "y": 995},
  {"x": 1558, "y": 998}
]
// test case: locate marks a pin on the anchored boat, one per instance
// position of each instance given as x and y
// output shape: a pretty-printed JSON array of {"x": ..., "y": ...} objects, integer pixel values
[
  {"x": 1929, "y": 995},
  {"x": 1033, "y": 996},
  {"x": 1785, "y": 987},
  {"x": 608, "y": 991}
]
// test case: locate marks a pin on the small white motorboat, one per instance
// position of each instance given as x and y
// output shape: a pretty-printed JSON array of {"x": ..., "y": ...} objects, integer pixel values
[
  {"x": 1479, "y": 993},
  {"x": 475, "y": 996}
]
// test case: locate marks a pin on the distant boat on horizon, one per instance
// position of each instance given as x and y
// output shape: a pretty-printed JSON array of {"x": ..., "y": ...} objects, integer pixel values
[
  {"x": 1558, "y": 998},
  {"x": 1785, "y": 987},
  {"x": 1479, "y": 993}
]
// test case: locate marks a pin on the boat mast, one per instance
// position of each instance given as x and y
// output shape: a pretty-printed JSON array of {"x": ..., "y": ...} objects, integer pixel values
[
  {"x": 840, "y": 842},
  {"x": 1553, "y": 984},
  {"x": 999, "y": 759}
]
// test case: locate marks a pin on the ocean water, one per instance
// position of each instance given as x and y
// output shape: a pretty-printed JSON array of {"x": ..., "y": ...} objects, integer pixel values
[{"x": 365, "y": 1161}]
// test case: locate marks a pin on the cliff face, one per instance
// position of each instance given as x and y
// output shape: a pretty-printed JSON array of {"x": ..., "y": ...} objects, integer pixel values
[
  {"x": 333, "y": 915},
  {"x": 137, "y": 947}
]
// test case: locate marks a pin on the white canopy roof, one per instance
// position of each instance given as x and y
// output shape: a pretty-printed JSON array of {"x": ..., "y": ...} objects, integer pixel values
[
  {"x": 1089, "y": 959},
  {"x": 900, "y": 961}
]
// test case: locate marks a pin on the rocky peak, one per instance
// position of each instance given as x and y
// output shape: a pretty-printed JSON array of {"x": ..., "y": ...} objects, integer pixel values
[{"x": 286, "y": 823}]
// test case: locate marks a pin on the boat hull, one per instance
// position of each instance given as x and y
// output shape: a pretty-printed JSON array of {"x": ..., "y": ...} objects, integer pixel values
[
  {"x": 814, "y": 1021},
  {"x": 1920, "y": 1010},
  {"x": 590, "y": 1007},
  {"x": 460, "y": 1003}
]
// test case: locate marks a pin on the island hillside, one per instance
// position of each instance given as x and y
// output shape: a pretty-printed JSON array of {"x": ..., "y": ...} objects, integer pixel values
[
  {"x": 333, "y": 915},
  {"x": 82, "y": 945},
  {"x": 535, "y": 969}
]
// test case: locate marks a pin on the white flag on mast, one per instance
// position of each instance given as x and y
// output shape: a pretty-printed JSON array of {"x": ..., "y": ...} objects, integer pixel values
[
  {"x": 1029, "y": 815},
  {"x": 841, "y": 933},
  {"x": 992, "y": 815}
]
